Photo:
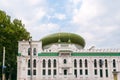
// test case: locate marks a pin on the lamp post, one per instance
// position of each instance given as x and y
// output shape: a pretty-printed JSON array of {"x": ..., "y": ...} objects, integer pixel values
[
  {"x": 31, "y": 68},
  {"x": 3, "y": 66}
]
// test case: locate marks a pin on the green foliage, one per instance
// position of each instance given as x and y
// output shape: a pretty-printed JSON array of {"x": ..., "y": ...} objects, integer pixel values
[{"x": 10, "y": 33}]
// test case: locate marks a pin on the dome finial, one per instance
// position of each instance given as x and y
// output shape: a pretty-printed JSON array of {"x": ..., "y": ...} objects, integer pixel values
[
  {"x": 69, "y": 41},
  {"x": 59, "y": 40}
]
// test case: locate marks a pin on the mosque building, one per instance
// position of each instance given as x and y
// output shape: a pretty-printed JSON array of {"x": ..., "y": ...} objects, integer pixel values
[{"x": 61, "y": 56}]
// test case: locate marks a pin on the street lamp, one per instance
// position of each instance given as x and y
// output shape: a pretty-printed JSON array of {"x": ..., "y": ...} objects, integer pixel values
[
  {"x": 31, "y": 69},
  {"x": 3, "y": 66}
]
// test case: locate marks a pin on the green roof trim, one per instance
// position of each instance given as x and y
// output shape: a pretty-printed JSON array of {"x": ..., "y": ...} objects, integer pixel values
[
  {"x": 82, "y": 54},
  {"x": 63, "y": 38},
  {"x": 48, "y": 54},
  {"x": 96, "y": 54}
]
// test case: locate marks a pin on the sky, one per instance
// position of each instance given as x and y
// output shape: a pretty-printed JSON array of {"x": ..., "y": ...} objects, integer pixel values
[{"x": 97, "y": 21}]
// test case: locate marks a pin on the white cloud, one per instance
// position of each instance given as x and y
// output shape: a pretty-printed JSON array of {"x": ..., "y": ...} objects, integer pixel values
[
  {"x": 35, "y": 2},
  {"x": 75, "y": 2},
  {"x": 98, "y": 21},
  {"x": 88, "y": 36},
  {"x": 43, "y": 29},
  {"x": 98, "y": 12},
  {"x": 37, "y": 15},
  {"x": 88, "y": 11},
  {"x": 25, "y": 10},
  {"x": 60, "y": 16}
]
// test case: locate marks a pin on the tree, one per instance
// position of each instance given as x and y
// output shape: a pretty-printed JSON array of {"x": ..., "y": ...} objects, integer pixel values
[{"x": 10, "y": 33}]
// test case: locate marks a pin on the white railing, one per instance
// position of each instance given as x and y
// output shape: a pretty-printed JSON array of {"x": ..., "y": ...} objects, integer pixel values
[
  {"x": 87, "y": 50},
  {"x": 99, "y": 50},
  {"x": 62, "y": 48}
]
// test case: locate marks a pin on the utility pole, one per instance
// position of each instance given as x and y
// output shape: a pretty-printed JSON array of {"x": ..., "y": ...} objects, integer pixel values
[
  {"x": 3, "y": 66},
  {"x": 31, "y": 61}
]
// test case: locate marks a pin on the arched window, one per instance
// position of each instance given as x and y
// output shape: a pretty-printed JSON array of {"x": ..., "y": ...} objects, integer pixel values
[
  {"x": 95, "y": 63},
  {"x": 80, "y": 63},
  {"x": 75, "y": 63},
  {"x": 49, "y": 63},
  {"x": 44, "y": 63},
  {"x": 106, "y": 64},
  {"x": 86, "y": 64},
  {"x": 34, "y": 63},
  {"x": 54, "y": 63},
  {"x": 28, "y": 51},
  {"x": 100, "y": 62},
  {"x": 34, "y": 51},
  {"x": 29, "y": 63},
  {"x": 114, "y": 63},
  {"x": 64, "y": 61}
]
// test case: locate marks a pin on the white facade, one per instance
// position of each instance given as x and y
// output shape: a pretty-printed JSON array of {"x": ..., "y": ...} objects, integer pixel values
[{"x": 66, "y": 61}]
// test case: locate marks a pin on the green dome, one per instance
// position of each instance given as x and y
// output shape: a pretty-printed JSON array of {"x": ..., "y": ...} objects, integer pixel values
[{"x": 63, "y": 38}]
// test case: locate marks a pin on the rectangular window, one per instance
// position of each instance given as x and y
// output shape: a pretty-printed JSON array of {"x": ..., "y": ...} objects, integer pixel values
[
  {"x": 34, "y": 72},
  {"x": 114, "y": 69},
  {"x": 44, "y": 72},
  {"x": 49, "y": 72},
  {"x": 75, "y": 72},
  {"x": 28, "y": 72},
  {"x": 95, "y": 71},
  {"x": 106, "y": 72},
  {"x": 81, "y": 72},
  {"x": 86, "y": 72},
  {"x": 29, "y": 63},
  {"x": 54, "y": 72},
  {"x": 101, "y": 73}
]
